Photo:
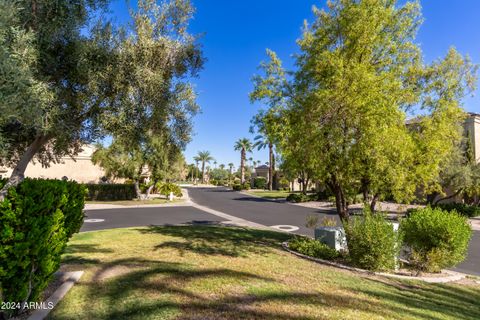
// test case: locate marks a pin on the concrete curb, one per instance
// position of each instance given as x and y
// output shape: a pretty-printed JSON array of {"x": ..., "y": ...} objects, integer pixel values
[
  {"x": 69, "y": 279},
  {"x": 453, "y": 276}
]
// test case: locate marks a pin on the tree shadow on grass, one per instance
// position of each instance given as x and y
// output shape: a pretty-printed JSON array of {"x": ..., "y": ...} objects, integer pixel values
[
  {"x": 449, "y": 300},
  {"x": 73, "y": 254},
  {"x": 219, "y": 240}
]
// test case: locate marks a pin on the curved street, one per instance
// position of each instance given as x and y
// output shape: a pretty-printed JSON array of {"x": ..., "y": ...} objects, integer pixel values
[{"x": 223, "y": 203}]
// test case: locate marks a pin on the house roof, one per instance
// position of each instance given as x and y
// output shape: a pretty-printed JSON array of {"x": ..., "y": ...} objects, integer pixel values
[{"x": 263, "y": 166}]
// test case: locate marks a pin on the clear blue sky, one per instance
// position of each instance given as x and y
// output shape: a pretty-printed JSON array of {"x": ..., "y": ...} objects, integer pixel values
[{"x": 237, "y": 34}]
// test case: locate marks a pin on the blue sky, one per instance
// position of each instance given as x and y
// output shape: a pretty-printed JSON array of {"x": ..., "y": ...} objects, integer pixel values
[{"x": 236, "y": 34}]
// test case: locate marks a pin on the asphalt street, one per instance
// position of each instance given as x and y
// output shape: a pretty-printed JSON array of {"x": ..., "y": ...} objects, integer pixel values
[
  {"x": 136, "y": 217},
  {"x": 266, "y": 212}
]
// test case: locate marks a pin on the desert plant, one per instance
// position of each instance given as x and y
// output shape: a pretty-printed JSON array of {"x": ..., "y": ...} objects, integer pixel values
[
  {"x": 260, "y": 183},
  {"x": 436, "y": 238},
  {"x": 372, "y": 242},
  {"x": 165, "y": 188}
]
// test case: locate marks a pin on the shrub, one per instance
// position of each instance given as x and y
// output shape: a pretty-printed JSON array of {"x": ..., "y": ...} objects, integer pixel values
[
  {"x": 461, "y": 208},
  {"x": 36, "y": 220},
  {"x": 240, "y": 187},
  {"x": 283, "y": 183},
  {"x": 299, "y": 197},
  {"x": 167, "y": 187},
  {"x": 260, "y": 183},
  {"x": 437, "y": 239},
  {"x": 312, "y": 248},
  {"x": 237, "y": 187},
  {"x": 372, "y": 242},
  {"x": 107, "y": 192}
]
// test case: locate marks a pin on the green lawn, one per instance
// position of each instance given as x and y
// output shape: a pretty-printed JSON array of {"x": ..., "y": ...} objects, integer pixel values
[
  {"x": 266, "y": 194},
  {"x": 135, "y": 202},
  {"x": 208, "y": 272}
]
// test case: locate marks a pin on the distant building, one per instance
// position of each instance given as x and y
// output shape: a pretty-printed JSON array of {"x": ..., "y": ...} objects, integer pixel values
[
  {"x": 472, "y": 126},
  {"x": 80, "y": 168}
]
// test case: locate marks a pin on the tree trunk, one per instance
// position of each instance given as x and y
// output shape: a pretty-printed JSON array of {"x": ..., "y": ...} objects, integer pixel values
[
  {"x": 137, "y": 189},
  {"x": 18, "y": 174},
  {"x": 242, "y": 165},
  {"x": 374, "y": 202},
  {"x": 365, "y": 183},
  {"x": 340, "y": 201},
  {"x": 449, "y": 197},
  {"x": 149, "y": 190},
  {"x": 270, "y": 167},
  {"x": 203, "y": 172}
]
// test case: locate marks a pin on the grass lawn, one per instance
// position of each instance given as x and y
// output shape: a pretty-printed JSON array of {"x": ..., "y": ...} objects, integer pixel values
[
  {"x": 209, "y": 272},
  {"x": 267, "y": 194},
  {"x": 136, "y": 202}
]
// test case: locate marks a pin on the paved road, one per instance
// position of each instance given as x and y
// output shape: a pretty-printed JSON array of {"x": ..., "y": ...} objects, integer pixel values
[
  {"x": 272, "y": 213},
  {"x": 135, "y": 217},
  {"x": 265, "y": 212}
]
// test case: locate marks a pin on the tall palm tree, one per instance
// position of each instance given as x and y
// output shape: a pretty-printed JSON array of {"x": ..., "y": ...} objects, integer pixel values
[
  {"x": 262, "y": 142},
  {"x": 215, "y": 164},
  {"x": 230, "y": 165},
  {"x": 222, "y": 166},
  {"x": 204, "y": 157},
  {"x": 197, "y": 160},
  {"x": 244, "y": 145}
]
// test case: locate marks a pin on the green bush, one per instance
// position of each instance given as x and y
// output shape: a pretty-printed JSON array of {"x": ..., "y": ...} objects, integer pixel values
[
  {"x": 240, "y": 187},
  {"x": 312, "y": 248},
  {"x": 437, "y": 239},
  {"x": 260, "y": 183},
  {"x": 108, "y": 192},
  {"x": 36, "y": 220},
  {"x": 372, "y": 242},
  {"x": 166, "y": 187},
  {"x": 300, "y": 197},
  {"x": 461, "y": 208}
]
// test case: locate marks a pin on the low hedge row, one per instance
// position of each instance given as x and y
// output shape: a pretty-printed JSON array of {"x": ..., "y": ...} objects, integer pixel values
[
  {"x": 106, "y": 192},
  {"x": 36, "y": 220},
  {"x": 463, "y": 209}
]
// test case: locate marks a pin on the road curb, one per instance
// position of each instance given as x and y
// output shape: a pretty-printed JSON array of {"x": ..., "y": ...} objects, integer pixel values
[{"x": 70, "y": 278}]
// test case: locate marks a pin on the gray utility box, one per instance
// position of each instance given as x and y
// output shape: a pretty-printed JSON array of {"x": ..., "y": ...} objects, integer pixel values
[{"x": 334, "y": 237}]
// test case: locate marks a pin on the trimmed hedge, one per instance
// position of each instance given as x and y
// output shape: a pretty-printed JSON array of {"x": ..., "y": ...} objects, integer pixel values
[
  {"x": 300, "y": 197},
  {"x": 437, "y": 239},
  {"x": 108, "y": 192},
  {"x": 36, "y": 220}
]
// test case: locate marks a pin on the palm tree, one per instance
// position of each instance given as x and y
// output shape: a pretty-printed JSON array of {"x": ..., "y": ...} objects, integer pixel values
[
  {"x": 204, "y": 157},
  {"x": 197, "y": 160},
  {"x": 215, "y": 164},
  {"x": 244, "y": 145},
  {"x": 222, "y": 166},
  {"x": 262, "y": 142}
]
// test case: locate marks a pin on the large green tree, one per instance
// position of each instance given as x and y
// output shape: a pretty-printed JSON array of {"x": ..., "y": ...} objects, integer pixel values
[
  {"x": 359, "y": 76},
  {"x": 51, "y": 89},
  {"x": 123, "y": 82}
]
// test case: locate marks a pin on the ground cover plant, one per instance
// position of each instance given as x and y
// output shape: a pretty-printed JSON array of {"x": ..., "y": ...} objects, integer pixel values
[{"x": 208, "y": 272}]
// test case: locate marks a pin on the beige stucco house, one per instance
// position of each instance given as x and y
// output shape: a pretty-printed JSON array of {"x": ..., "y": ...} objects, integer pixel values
[
  {"x": 472, "y": 126},
  {"x": 80, "y": 168}
]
